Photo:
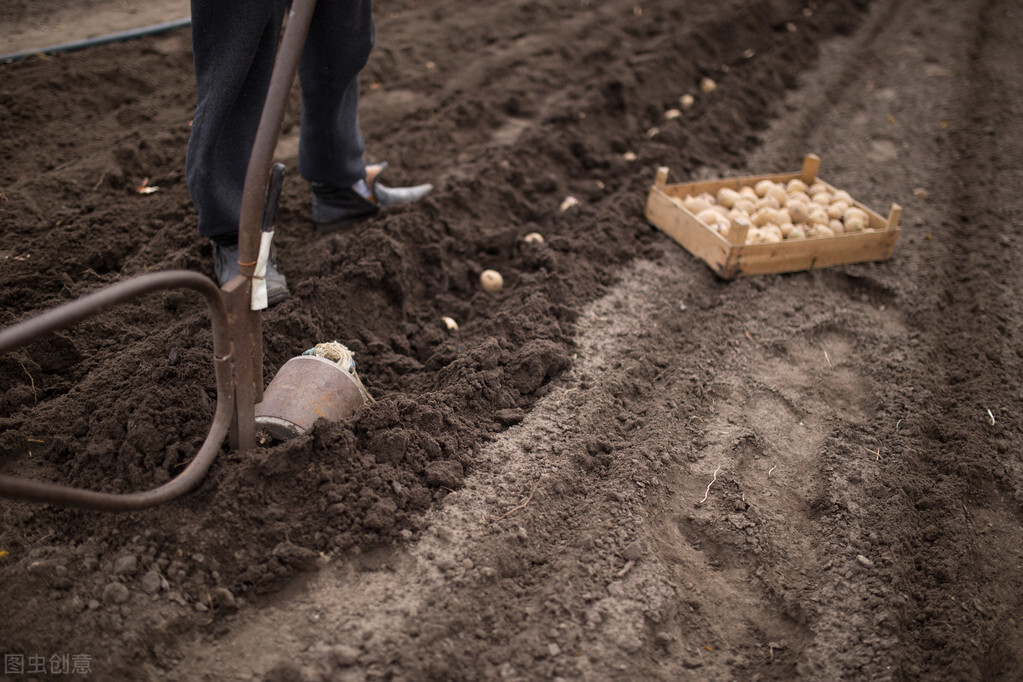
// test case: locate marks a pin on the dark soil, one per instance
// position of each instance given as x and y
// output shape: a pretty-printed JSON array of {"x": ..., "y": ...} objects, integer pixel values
[{"x": 619, "y": 466}]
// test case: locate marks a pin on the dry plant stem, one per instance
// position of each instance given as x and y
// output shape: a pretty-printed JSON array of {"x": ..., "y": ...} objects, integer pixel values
[
  {"x": 521, "y": 506},
  {"x": 706, "y": 494},
  {"x": 876, "y": 453},
  {"x": 35, "y": 395}
]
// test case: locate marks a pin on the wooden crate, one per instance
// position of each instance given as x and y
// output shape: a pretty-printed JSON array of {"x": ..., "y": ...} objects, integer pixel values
[{"x": 730, "y": 260}]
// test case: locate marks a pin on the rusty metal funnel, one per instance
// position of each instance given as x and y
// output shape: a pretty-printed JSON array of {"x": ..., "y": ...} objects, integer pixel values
[{"x": 320, "y": 384}]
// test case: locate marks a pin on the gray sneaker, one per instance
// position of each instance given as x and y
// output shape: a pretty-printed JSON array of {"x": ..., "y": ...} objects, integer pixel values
[{"x": 225, "y": 265}]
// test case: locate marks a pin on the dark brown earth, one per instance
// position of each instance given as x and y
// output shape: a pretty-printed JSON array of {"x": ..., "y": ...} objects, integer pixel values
[{"x": 619, "y": 467}]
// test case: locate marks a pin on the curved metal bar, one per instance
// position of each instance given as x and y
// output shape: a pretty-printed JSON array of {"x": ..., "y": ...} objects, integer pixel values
[{"x": 87, "y": 306}]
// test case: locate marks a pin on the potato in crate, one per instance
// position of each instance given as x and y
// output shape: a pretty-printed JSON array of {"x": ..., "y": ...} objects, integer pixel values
[{"x": 763, "y": 224}]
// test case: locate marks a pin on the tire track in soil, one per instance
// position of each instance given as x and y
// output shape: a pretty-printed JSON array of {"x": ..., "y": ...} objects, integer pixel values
[{"x": 946, "y": 600}]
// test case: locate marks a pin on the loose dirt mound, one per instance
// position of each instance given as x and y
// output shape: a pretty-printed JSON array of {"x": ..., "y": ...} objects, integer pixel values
[{"x": 619, "y": 466}]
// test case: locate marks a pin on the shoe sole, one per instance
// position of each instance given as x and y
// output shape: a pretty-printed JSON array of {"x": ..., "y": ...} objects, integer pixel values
[{"x": 275, "y": 297}]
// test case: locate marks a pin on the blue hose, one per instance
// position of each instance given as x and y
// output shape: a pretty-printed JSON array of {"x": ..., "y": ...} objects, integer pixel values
[{"x": 100, "y": 40}]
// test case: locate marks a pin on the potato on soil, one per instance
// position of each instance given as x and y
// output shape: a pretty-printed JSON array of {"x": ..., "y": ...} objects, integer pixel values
[{"x": 491, "y": 280}]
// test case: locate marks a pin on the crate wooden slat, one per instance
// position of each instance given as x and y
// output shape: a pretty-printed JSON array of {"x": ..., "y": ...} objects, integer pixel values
[{"x": 664, "y": 209}]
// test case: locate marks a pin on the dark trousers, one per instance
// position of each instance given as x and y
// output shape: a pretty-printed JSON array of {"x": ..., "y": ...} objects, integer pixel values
[{"x": 234, "y": 45}]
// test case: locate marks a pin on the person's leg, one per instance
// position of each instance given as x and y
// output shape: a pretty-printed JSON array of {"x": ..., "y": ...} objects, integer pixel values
[
  {"x": 341, "y": 36},
  {"x": 234, "y": 47},
  {"x": 331, "y": 150}
]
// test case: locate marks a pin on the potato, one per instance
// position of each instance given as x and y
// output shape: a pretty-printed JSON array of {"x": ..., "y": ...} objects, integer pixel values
[
  {"x": 795, "y": 185},
  {"x": 696, "y": 204},
  {"x": 855, "y": 219},
  {"x": 822, "y": 231},
  {"x": 768, "y": 201},
  {"x": 817, "y": 216},
  {"x": 779, "y": 193},
  {"x": 841, "y": 195},
  {"x": 707, "y": 215},
  {"x": 798, "y": 211},
  {"x": 772, "y": 233},
  {"x": 738, "y": 214},
  {"x": 836, "y": 226},
  {"x": 762, "y": 187},
  {"x": 713, "y": 220},
  {"x": 786, "y": 229},
  {"x": 798, "y": 232},
  {"x": 764, "y": 216},
  {"x": 816, "y": 187},
  {"x": 799, "y": 196},
  {"x": 836, "y": 209},
  {"x": 745, "y": 204},
  {"x": 727, "y": 197},
  {"x": 855, "y": 211},
  {"x": 491, "y": 280},
  {"x": 822, "y": 198},
  {"x": 748, "y": 192}
]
